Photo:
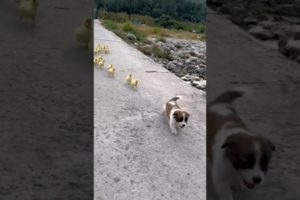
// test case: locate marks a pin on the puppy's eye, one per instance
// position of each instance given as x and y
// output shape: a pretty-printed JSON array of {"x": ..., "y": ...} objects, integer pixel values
[{"x": 186, "y": 119}]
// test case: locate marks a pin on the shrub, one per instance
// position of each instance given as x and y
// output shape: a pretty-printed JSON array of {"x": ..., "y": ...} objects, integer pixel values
[
  {"x": 110, "y": 25},
  {"x": 160, "y": 53},
  {"x": 144, "y": 19},
  {"x": 114, "y": 16},
  {"x": 165, "y": 21},
  {"x": 128, "y": 27}
]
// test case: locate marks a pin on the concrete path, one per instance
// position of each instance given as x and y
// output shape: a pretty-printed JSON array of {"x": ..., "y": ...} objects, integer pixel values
[
  {"x": 273, "y": 110},
  {"x": 136, "y": 156}
]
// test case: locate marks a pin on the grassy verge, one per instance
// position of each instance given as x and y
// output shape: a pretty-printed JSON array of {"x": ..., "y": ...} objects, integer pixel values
[
  {"x": 139, "y": 33},
  {"x": 162, "y": 26},
  {"x": 143, "y": 31}
]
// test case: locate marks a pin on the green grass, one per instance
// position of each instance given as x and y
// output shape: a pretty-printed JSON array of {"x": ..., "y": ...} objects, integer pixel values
[{"x": 121, "y": 17}]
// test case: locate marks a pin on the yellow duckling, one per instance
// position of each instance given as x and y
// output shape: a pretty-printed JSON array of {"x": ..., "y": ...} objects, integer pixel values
[
  {"x": 129, "y": 78},
  {"x": 111, "y": 70},
  {"x": 101, "y": 64},
  {"x": 134, "y": 83},
  {"x": 96, "y": 60},
  {"x": 105, "y": 49},
  {"x": 84, "y": 32},
  {"x": 97, "y": 49},
  {"x": 28, "y": 9}
]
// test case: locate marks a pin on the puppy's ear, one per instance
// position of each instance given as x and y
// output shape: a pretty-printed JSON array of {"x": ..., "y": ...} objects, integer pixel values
[
  {"x": 187, "y": 114},
  {"x": 176, "y": 115}
]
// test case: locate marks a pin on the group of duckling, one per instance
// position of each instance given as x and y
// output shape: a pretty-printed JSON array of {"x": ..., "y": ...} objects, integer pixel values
[
  {"x": 99, "y": 62},
  {"x": 101, "y": 49},
  {"x": 27, "y": 10}
]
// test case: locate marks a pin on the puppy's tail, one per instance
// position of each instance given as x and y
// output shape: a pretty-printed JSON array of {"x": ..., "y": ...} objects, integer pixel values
[
  {"x": 175, "y": 98},
  {"x": 231, "y": 95}
]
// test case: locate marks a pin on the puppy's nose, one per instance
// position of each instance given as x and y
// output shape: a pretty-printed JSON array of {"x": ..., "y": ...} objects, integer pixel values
[
  {"x": 183, "y": 125},
  {"x": 257, "y": 179}
]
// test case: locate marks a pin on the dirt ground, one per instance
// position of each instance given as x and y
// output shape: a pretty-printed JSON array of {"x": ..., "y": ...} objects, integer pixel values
[
  {"x": 136, "y": 156},
  {"x": 46, "y": 84},
  {"x": 273, "y": 110}
]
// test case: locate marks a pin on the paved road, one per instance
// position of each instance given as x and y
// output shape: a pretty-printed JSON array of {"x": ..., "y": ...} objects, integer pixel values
[
  {"x": 274, "y": 108},
  {"x": 136, "y": 157}
]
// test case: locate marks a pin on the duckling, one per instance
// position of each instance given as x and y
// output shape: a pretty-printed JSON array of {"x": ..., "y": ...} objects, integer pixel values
[
  {"x": 97, "y": 49},
  {"x": 101, "y": 64},
  {"x": 129, "y": 78},
  {"x": 111, "y": 66},
  {"x": 84, "y": 32},
  {"x": 111, "y": 71},
  {"x": 28, "y": 9},
  {"x": 105, "y": 49},
  {"x": 97, "y": 60},
  {"x": 134, "y": 83}
]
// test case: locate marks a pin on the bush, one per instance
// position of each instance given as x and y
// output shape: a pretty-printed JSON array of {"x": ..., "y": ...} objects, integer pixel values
[
  {"x": 128, "y": 27},
  {"x": 165, "y": 21},
  {"x": 160, "y": 53},
  {"x": 120, "y": 17},
  {"x": 110, "y": 25},
  {"x": 144, "y": 19}
]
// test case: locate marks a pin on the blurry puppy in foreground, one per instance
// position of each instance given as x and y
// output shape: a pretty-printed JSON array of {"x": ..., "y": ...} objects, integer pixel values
[
  {"x": 237, "y": 159},
  {"x": 177, "y": 117}
]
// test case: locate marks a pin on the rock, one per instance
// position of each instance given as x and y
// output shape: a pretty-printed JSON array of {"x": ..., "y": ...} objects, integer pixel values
[
  {"x": 267, "y": 25},
  {"x": 288, "y": 9},
  {"x": 170, "y": 66},
  {"x": 199, "y": 84},
  {"x": 292, "y": 49},
  {"x": 190, "y": 78},
  {"x": 131, "y": 36},
  {"x": 261, "y": 33},
  {"x": 250, "y": 21}
]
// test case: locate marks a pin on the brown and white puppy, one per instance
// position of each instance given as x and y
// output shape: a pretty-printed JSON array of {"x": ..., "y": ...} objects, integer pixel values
[
  {"x": 237, "y": 159},
  {"x": 177, "y": 117}
]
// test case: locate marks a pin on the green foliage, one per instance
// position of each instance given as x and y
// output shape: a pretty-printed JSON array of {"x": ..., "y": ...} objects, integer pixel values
[
  {"x": 128, "y": 27},
  {"x": 117, "y": 17},
  {"x": 111, "y": 25},
  {"x": 144, "y": 19},
  {"x": 185, "y": 10},
  {"x": 166, "y": 21}
]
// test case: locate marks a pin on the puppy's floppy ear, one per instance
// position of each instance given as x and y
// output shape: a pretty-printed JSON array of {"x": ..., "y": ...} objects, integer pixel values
[
  {"x": 187, "y": 114},
  {"x": 176, "y": 115}
]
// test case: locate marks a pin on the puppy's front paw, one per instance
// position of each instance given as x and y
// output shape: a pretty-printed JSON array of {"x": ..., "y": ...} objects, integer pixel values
[{"x": 174, "y": 132}]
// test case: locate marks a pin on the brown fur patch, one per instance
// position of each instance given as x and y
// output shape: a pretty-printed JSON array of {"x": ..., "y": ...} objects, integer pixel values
[
  {"x": 170, "y": 106},
  {"x": 178, "y": 115}
]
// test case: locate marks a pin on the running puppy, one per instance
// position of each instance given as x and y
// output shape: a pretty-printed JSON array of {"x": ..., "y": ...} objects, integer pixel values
[
  {"x": 237, "y": 159},
  {"x": 177, "y": 117}
]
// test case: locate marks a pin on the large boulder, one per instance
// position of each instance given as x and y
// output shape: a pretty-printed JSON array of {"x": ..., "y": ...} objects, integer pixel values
[
  {"x": 289, "y": 44},
  {"x": 292, "y": 49},
  {"x": 261, "y": 33}
]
